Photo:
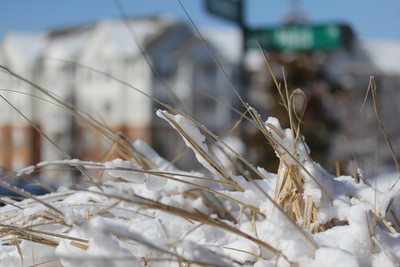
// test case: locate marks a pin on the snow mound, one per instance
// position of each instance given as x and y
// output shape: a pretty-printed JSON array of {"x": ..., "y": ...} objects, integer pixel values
[{"x": 169, "y": 217}]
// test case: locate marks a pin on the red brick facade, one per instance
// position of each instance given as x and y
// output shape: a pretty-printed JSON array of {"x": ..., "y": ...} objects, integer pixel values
[{"x": 20, "y": 146}]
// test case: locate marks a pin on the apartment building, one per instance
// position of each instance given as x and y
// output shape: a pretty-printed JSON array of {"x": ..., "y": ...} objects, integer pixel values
[{"x": 109, "y": 69}]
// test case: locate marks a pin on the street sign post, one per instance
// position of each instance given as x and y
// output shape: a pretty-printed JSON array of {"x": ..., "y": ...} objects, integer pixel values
[
  {"x": 293, "y": 37},
  {"x": 299, "y": 37},
  {"x": 232, "y": 10},
  {"x": 228, "y": 9}
]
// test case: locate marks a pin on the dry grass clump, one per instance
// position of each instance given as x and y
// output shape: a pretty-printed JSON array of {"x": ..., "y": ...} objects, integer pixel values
[
  {"x": 36, "y": 227},
  {"x": 34, "y": 220},
  {"x": 55, "y": 221}
]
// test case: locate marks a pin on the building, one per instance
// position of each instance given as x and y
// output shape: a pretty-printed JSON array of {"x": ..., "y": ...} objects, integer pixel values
[
  {"x": 97, "y": 68},
  {"x": 111, "y": 69},
  {"x": 19, "y": 141}
]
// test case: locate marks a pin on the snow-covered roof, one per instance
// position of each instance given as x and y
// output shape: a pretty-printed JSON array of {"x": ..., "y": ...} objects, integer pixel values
[
  {"x": 385, "y": 54},
  {"x": 67, "y": 45},
  {"x": 22, "y": 48},
  {"x": 226, "y": 40},
  {"x": 26, "y": 48},
  {"x": 127, "y": 35}
]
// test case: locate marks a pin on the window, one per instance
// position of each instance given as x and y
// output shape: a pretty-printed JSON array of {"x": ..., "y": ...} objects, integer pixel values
[
  {"x": 89, "y": 76},
  {"x": 167, "y": 67},
  {"x": 88, "y": 142},
  {"x": 107, "y": 107},
  {"x": 17, "y": 164},
  {"x": 17, "y": 138}
]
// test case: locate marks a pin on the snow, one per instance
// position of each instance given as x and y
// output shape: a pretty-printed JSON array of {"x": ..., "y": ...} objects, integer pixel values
[
  {"x": 126, "y": 170},
  {"x": 285, "y": 139},
  {"x": 384, "y": 54},
  {"x": 130, "y": 35},
  {"x": 67, "y": 46},
  {"x": 164, "y": 216},
  {"x": 26, "y": 170},
  {"x": 154, "y": 182},
  {"x": 192, "y": 137},
  {"x": 22, "y": 49},
  {"x": 332, "y": 257},
  {"x": 226, "y": 40}
]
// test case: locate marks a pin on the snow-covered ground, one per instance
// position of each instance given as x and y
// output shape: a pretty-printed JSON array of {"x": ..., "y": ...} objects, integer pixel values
[{"x": 159, "y": 215}]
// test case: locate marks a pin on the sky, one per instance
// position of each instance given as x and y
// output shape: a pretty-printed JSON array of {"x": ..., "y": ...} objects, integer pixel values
[{"x": 370, "y": 19}]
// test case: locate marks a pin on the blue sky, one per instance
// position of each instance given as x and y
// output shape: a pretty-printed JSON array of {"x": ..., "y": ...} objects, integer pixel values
[{"x": 370, "y": 19}]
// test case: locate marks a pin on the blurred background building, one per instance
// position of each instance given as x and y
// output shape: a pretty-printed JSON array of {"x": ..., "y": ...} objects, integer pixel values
[
  {"x": 182, "y": 74},
  {"x": 164, "y": 58}
]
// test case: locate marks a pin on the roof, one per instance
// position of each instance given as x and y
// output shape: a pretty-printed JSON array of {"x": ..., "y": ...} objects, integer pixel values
[
  {"x": 131, "y": 33},
  {"x": 226, "y": 40},
  {"x": 23, "y": 47},
  {"x": 126, "y": 35},
  {"x": 385, "y": 54},
  {"x": 67, "y": 45}
]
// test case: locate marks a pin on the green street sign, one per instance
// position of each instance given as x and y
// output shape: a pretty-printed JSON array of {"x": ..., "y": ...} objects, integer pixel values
[
  {"x": 299, "y": 37},
  {"x": 227, "y": 9}
]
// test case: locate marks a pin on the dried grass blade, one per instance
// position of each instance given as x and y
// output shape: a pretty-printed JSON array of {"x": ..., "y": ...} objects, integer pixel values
[
  {"x": 79, "y": 245},
  {"x": 151, "y": 204},
  {"x": 47, "y": 137},
  {"x": 204, "y": 155},
  {"x": 27, "y": 195},
  {"x": 16, "y": 243},
  {"x": 388, "y": 255},
  {"x": 308, "y": 212}
]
